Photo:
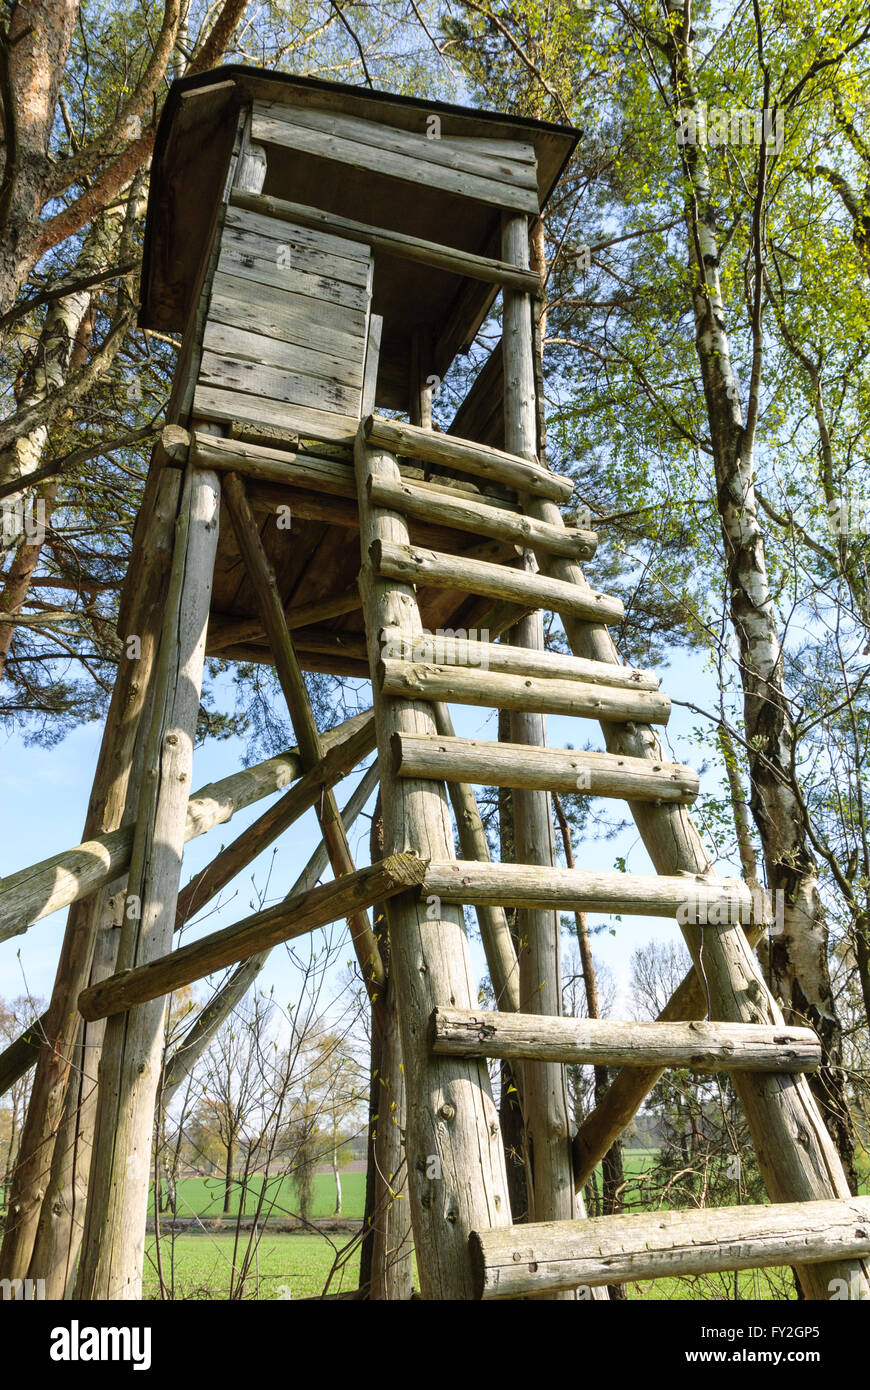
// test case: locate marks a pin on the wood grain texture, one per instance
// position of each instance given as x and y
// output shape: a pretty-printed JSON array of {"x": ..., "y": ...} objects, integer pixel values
[
  {"x": 702, "y": 1047},
  {"x": 468, "y": 649},
  {"x": 434, "y": 569},
  {"x": 546, "y": 769},
  {"x": 524, "y": 1260},
  {"x": 709, "y": 900},
  {"x": 468, "y": 685}
]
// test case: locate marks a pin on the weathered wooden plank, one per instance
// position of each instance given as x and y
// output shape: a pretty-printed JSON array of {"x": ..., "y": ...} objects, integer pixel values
[
  {"x": 544, "y": 769},
  {"x": 252, "y": 212},
  {"x": 275, "y": 384},
  {"x": 707, "y": 900},
  {"x": 469, "y": 685},
  {"x": 214, "y": 403},
  {"x": 525, "y": 1260},
  {"x": 53, "y": 883},
  {"x": 700, "y": 1046},
  {"x": 463, "y": 649},
  {"x": 399, "y": 244},
  {"x": 431, "y": 568},
  {"x": 317, "y": 907},
  {"x": 517, "y": 151},
  {"x": 410, "y": 167},
  {"x": 254, "y": 262},
  {"x": 245, "y": 304},
  {"x": 282, "y": 245},
  {"x": 431, "y": 149},
  {"x": 482, "y": 519},
  {"x": 478, "y": 459},
  {"x": 271, "y": 352}
]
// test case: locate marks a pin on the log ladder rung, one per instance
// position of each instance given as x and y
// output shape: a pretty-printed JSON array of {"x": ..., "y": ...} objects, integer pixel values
[
  {"x": 410, "y": 441},
  {"x": 481, "y": 517},
  {"x": 482, "y": 763},
  {"x": 475, "y": 685},
  {"x": 548, "y": 1257},
  {"x": 433, "y": 569},
  {"x": 398, "y": 644},
  {"x": 700, "y": 1046},
  {"x": 707, "y": 901}
]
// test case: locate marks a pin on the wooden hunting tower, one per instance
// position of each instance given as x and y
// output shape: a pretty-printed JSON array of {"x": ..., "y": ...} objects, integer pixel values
[{"x": 326, "y": 252}]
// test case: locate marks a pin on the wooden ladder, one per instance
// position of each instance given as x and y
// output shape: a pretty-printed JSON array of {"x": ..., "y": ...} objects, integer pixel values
[{"x": 723, "y": 1016}]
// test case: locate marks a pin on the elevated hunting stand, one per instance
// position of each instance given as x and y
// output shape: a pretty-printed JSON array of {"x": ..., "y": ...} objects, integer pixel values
[{"x": 327, "y": 251}]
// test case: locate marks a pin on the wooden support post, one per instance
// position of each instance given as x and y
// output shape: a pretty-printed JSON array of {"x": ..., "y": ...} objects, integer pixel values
[
  {"x": 296, "y": 694},
  {"x": 114, "y": 1235},
  {"x": 387, "y": 1264},
  {"x": 317, "y": 907},
  {"x": 776, "y": 1108},
  {"x": 105, "y": 812},
  {"x": 524, "y": 1260},
  {"x": 545, "y": 1094},
  {"x": 456, "y": 1171}
]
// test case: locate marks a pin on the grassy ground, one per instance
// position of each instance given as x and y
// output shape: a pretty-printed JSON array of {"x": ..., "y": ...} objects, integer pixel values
[
  {"x": 204, "y": 1197},
  {"x": 208, "y": 1266}
]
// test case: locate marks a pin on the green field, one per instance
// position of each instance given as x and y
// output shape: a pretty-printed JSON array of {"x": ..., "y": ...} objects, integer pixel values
[
  {"x": 284, "y": 1266},
  {"x": 204, "y": 1197}
]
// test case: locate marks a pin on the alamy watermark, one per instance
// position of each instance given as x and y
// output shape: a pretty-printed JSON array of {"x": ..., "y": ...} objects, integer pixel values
[
  {"x": 23, "y": 518},
  {"x": 720, "y": 909},
  {"x": 446, "y": 646},
  {"x": 736, "y": 125},
  {"x": 849, "y": 514},
  {"x": 22, "y": 1290}
]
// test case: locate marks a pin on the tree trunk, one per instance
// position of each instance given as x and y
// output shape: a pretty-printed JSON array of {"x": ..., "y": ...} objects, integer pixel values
[{"x": 799, "y": 955}]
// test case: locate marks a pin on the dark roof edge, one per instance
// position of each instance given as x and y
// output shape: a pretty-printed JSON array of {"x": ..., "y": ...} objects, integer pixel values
[{"x": 242, "y": 71}]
